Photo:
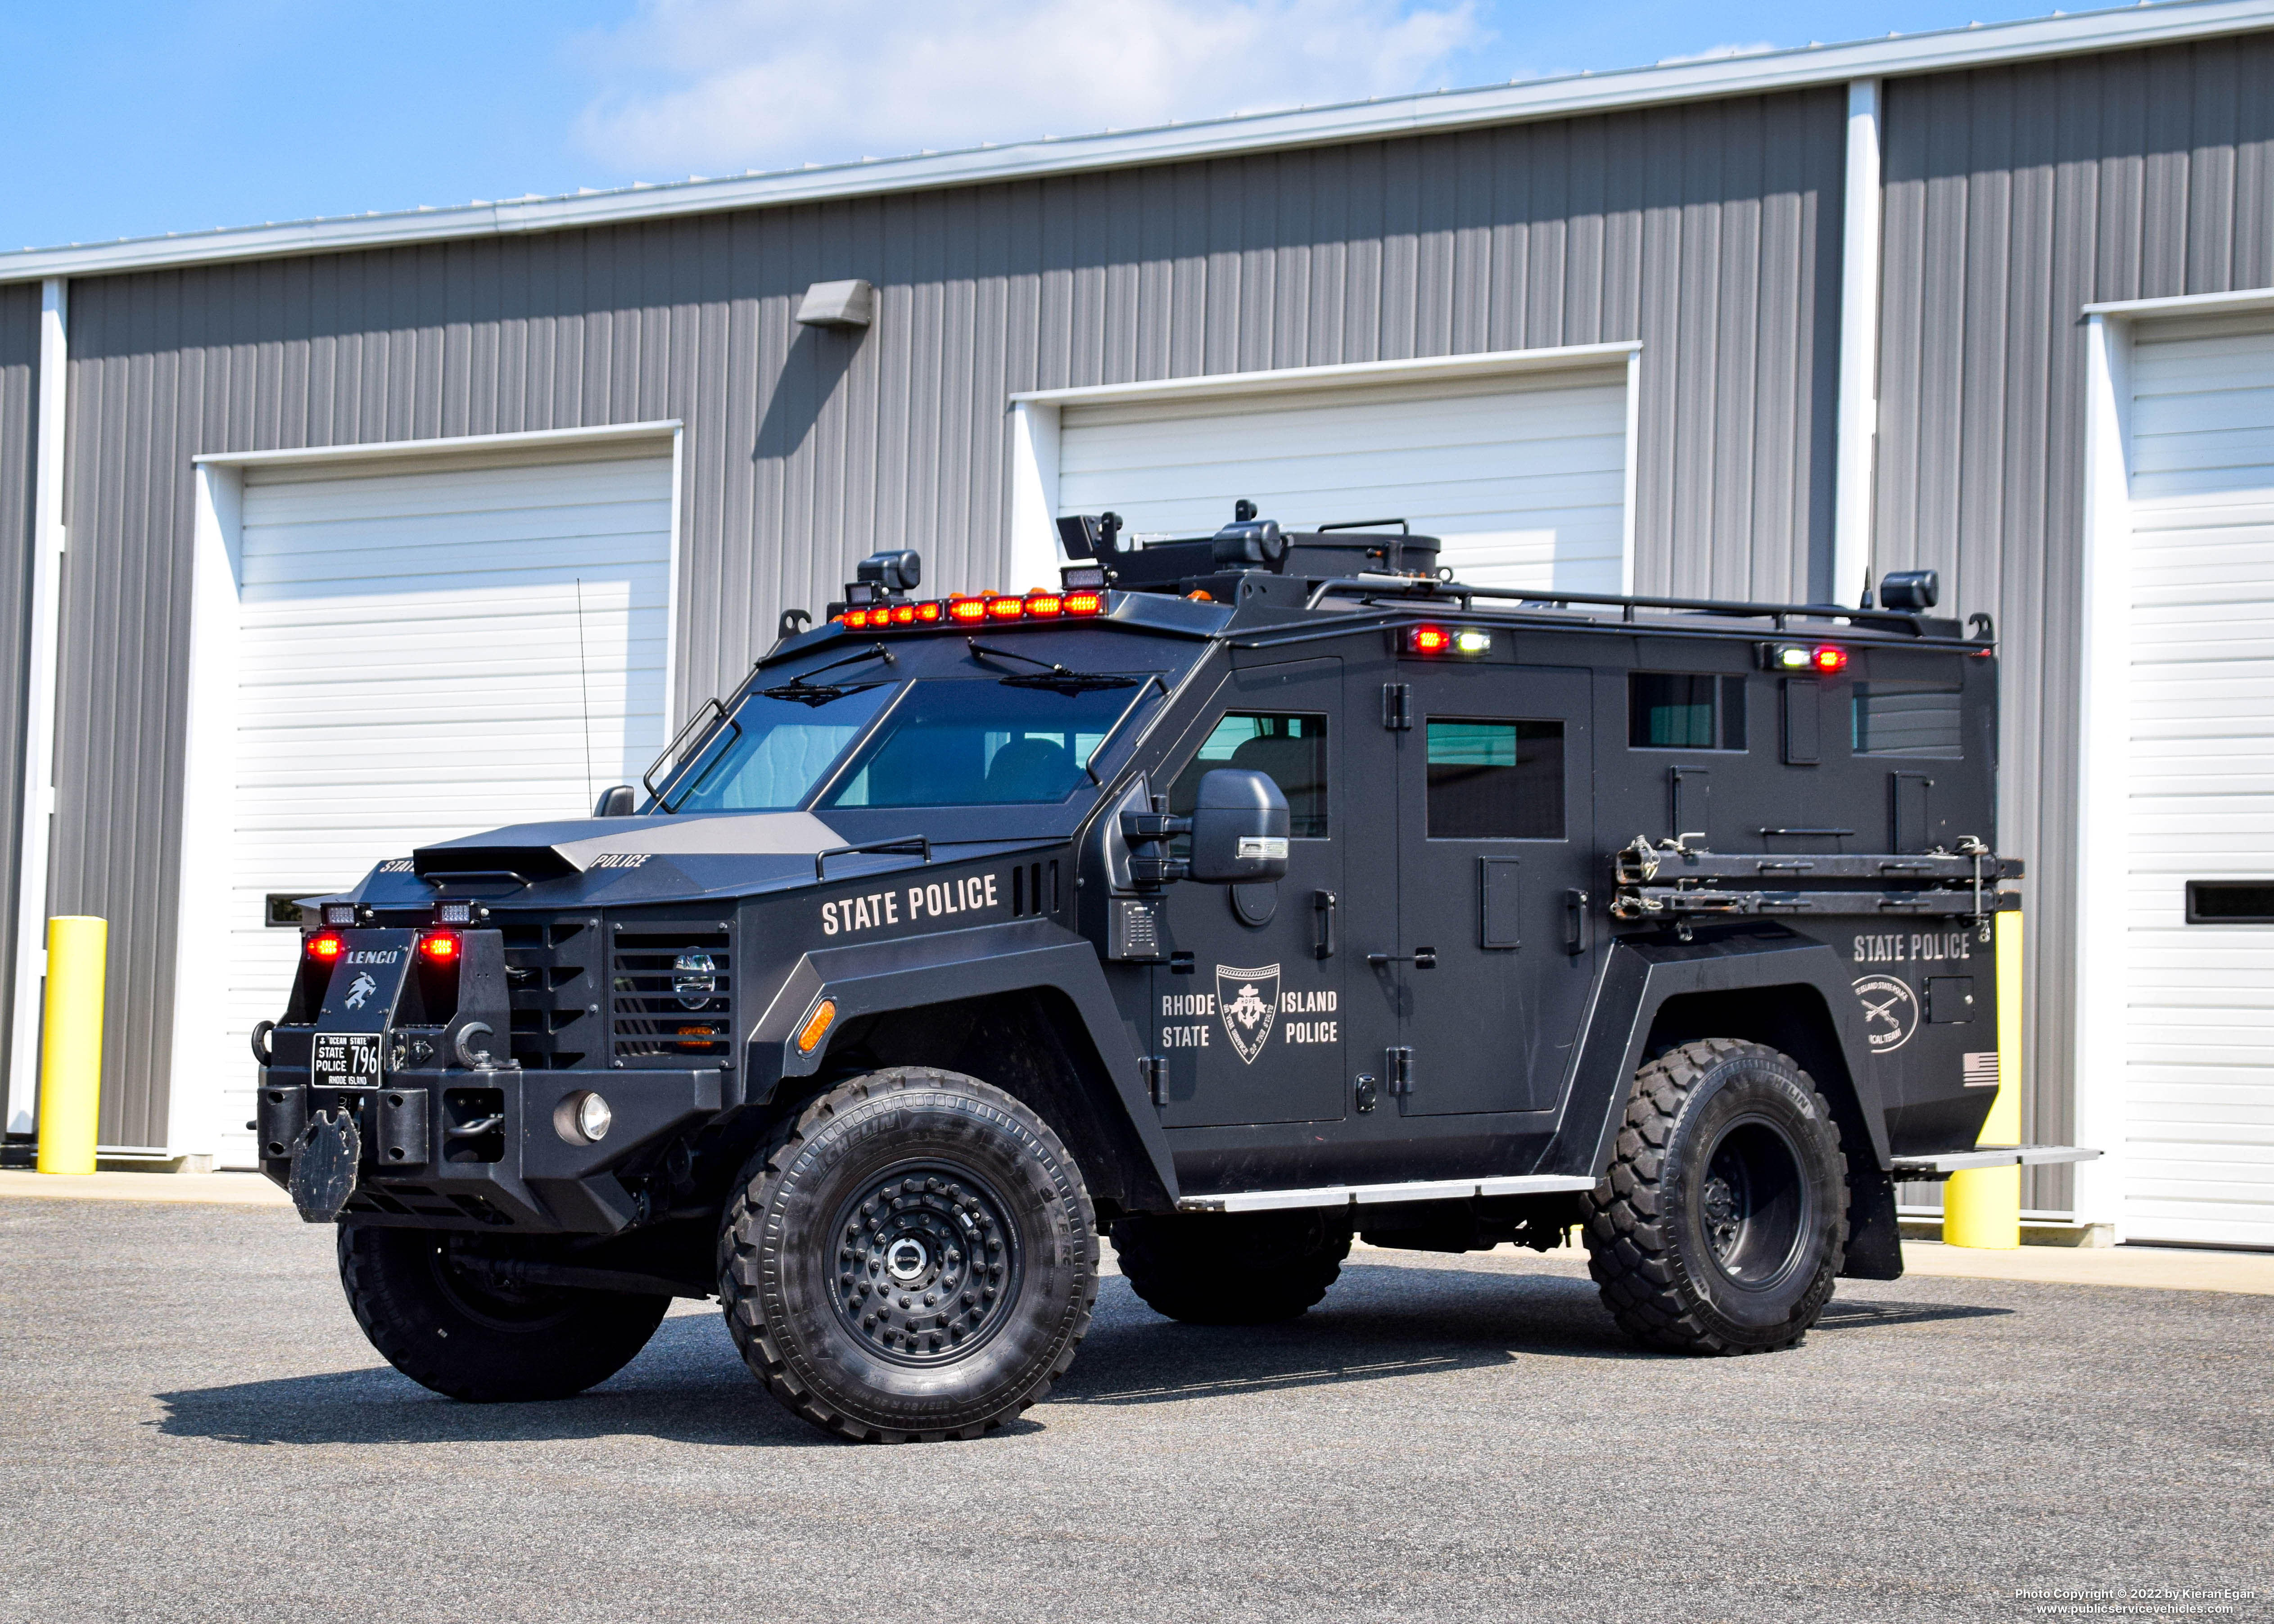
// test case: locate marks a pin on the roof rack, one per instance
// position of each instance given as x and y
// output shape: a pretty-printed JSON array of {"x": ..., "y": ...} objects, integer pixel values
[{"x": 1375, "y": 587}]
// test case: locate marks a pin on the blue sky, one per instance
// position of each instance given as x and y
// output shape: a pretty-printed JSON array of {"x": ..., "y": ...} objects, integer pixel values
[{"x": 142, "y": 117}]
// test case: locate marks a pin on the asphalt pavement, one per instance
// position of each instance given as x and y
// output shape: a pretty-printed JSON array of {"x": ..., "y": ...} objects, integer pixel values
[{"x": 192, "y": 1427}]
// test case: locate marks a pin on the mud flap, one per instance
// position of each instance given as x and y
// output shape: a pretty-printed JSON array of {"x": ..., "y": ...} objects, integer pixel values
[
  {"x": 1875, "y": 1248},
  {"x": 324, "y": 1170}
]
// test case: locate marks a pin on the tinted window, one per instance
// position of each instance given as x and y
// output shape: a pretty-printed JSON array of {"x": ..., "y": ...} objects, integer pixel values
[
  {"x": 2230, "y": 902},
  {"x": 773, "y": 751},
  {"x": 1908, "y": 719},
  {"x": 980, "y": 743},
  {"x": 1495, "y": 781},
  {"x": 1667, "y": 710},
  {"x": 1289, "y": 749}
]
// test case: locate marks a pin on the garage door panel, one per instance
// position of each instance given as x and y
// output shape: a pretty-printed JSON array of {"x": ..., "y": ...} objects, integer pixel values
[
  {"x": 2199, "y": 1077},
  {"x": 1522, "y": 478},
  {"x": 410, "y": 669}
]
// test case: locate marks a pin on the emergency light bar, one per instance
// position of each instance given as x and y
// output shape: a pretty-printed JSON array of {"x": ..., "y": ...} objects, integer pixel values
[{"x": 980, "y": 609}]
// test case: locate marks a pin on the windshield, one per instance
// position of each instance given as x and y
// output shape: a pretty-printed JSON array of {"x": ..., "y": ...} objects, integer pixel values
[
  {"x": 976, "y": 742},
  {"x": 771, "y": 753}
]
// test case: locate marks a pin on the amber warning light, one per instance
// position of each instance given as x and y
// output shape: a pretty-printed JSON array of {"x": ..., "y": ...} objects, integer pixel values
[{"x": 979, "y": 609}]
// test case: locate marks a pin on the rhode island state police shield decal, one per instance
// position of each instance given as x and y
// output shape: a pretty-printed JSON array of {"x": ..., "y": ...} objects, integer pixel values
[{"x": 1249, "y": 1000}]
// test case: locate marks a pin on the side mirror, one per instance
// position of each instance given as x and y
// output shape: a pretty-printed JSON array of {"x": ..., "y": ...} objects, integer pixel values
[
  {"x": 617, "y": 802},
  {"x": 1239, "y": 828}
]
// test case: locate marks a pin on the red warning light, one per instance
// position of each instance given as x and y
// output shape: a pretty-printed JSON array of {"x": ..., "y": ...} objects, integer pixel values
[
  {"x": 904, "y": 614},
  {"x": 926, "y": 613},
  {"x": 1005, "y": 608},
  {"x": 325, "y": 946},
  {"x": 440, "y": 948},
  {"x": 1831, "y": 661},
  {"x": 1044, "y": 606},
  {"x": 1429, "y": 640},
  {"x": 1083, "y": 602},
  {"x": 969, "y": 610}
]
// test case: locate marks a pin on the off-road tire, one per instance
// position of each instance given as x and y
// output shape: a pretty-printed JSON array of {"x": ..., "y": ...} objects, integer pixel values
[
  {"x": 1699, "y": 1243},
  {"x": 913, "y": 1257},
  {"x": 486, "y": 1346},
  {"x": 1233, "y": 1268}
]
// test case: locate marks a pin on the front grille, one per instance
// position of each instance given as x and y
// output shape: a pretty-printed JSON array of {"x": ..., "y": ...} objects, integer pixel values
[
  {"x": 553, "y": 987},
  {"x": 671, "y": 992}
]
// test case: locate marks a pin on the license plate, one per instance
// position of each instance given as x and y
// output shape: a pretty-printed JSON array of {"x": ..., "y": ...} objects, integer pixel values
[{"x": 346, "y": 1060}]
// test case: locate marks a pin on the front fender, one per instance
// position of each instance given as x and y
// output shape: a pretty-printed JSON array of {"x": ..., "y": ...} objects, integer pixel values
[
  {"x": 1637, "y": 981},
  {"x": 878, "y": 977}
]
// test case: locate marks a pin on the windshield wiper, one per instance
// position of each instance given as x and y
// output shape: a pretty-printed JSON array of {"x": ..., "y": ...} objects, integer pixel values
[
  {"x": 1055, "y": 676},
  {"x": 808, "y": 692}
]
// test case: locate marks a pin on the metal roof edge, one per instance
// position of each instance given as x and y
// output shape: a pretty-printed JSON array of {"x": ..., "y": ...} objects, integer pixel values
[
  {"x": 1943, "y": 50},
  {"x": 2238, "y": 300}
]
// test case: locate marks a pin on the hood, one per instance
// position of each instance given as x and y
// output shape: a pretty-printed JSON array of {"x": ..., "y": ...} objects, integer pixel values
[{"x": 535, "y": 851}]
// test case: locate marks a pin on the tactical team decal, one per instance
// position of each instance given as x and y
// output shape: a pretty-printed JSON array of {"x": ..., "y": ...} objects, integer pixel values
[
  {"x": 1891, "y": 1011},
  {"x": 1249, "y": 1004}
]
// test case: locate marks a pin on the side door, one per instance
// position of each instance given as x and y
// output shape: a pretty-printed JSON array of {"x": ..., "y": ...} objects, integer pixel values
[
  {"x": 1247, "y": 1010},
  {"x": 1495, "y": 941}
]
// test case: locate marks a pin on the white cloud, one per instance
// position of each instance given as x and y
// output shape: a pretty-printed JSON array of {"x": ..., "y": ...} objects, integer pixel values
[{"x": 722, "y": 85}]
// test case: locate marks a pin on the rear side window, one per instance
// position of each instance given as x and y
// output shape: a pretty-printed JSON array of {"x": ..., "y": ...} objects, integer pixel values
[
  {"x": 1909, "y": 719},
  {"x": 1289, "y": 747},
  {"x": 1667, "y": 710},
  {"x": 1491, "y": 780}
]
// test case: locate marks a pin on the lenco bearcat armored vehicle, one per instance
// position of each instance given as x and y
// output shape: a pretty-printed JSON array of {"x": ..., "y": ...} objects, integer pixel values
[{"x": 1242, "y": 894}]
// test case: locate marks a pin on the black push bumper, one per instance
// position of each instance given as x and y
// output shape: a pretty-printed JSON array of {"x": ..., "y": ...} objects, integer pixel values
[{"x": 493, "y": 1149}]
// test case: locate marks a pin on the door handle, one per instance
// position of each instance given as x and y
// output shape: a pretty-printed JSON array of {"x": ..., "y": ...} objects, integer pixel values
[
  {"x": 1420, "y": 959},
  {"x": 1322, "y": 910},
  {"x": 1575, "y": 921}
]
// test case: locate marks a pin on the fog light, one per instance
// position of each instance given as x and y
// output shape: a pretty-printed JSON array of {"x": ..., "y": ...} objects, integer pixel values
[{"x": 583, "y": 1119}]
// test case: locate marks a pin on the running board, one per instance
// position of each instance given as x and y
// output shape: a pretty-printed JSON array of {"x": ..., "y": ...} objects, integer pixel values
[
  {"x": 1368, "y": 1195},
  {"x": 1942, "y": 1165}
]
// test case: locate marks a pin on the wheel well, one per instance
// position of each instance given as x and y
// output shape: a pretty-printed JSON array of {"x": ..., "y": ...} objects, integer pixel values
[
  {"x": 1032, "y": 1044},
  {"x": 1791, "y": 1018}
]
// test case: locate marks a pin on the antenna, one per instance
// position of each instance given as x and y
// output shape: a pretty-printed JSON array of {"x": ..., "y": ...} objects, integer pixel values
[{"x": 584, "y": 687}]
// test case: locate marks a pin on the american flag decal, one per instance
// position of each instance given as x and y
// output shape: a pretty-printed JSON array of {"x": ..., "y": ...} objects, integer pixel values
[{"x": 1982, "y": 1069}]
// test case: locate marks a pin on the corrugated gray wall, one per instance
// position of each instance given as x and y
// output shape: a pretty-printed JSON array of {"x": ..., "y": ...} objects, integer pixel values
[
  {"x": 2015, "y": 196},
  {"x": 1709, "y": 232},
  {"x": 20, "y": 366}
]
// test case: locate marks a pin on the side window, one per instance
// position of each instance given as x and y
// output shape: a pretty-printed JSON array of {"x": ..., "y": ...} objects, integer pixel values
[
  {"x": 1670, "y": 711},
  {"x": 1909, "y": 719},
  {"x": 1495, "y": 781},
  {"x": 1289, "y": 747}
]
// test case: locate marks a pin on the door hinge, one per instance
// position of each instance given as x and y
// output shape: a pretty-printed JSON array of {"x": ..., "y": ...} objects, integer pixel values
[
  {"x": 1397, "y": 1067},
  {"x": 1397, "y": 705},
  {"x": 1154, "y": 1070}
]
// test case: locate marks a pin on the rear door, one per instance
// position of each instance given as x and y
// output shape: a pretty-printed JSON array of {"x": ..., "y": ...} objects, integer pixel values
[
  {"x": 1247, "y": 1016},
  {"x": 1494, "y": 952}
]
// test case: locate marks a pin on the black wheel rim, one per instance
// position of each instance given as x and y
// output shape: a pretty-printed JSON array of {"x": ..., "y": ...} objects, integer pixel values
[
  {"x": 498, "y": 1308},
  {"x": 926, "y": 1264},
  {"x": 1754, "y": 1206}
]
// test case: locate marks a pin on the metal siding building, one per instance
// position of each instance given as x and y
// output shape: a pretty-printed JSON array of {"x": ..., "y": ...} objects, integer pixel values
[{"x": 1696, "y": 212}]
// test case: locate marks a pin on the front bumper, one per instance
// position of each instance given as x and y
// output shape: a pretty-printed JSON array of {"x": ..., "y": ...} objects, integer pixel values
[{"x": 480, "y": 1150}]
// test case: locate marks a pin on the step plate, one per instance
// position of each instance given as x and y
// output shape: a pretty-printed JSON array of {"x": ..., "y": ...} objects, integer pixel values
[
  {"x": 1948, "y": 1161},
  {"x": 1368, "y": 1195}
]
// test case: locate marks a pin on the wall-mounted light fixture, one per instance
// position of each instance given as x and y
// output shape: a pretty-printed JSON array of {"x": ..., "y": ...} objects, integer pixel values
[{"x": 841, "y": 304}]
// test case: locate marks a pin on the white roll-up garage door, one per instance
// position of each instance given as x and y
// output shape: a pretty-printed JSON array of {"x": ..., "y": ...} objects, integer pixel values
[
  {"x": 426, "y": 651},
  {"x": 1523, "y": 478},
  {"x": 2199, "y": 1152}
]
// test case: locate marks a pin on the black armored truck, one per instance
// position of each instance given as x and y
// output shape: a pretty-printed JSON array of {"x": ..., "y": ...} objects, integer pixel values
[{"x": 1240, "y": 894}]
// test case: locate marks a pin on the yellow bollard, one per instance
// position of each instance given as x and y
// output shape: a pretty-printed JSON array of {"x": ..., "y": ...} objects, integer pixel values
[
  {"x": 71, "y": 1058},
  {"x": 1983, "y": 1208}
]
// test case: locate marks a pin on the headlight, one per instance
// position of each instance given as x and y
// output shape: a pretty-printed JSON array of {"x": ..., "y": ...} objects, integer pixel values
[{"x": 583, "y": 1119}]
